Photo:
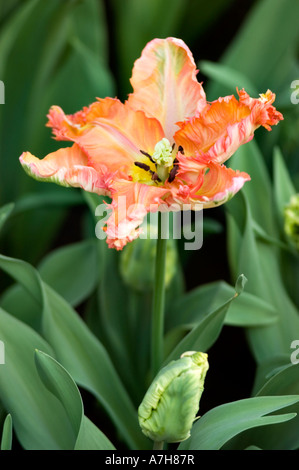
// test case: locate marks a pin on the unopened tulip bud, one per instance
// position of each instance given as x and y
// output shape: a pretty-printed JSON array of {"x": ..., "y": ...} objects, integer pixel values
[
  {"x": 291, "y": 221},
  {"x": 171, "y": 403}
]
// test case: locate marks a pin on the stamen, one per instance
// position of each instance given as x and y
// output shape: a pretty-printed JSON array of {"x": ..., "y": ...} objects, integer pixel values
[
  {"x": 145, "y": 167},
  {"x": 147, "y": 155},
  {"x": 142, "y": 165},
  {"x": 172, "y": 173},
  {"x": 181, "y": 149}
]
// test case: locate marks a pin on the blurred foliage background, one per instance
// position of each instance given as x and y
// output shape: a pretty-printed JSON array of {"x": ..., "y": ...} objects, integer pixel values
[{"x": 68, "y": 52}]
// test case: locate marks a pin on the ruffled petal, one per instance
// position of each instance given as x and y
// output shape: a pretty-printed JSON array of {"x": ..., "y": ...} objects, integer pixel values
[
  {"x": 130, "y": 204},
  {"x": 66, "y": 167},
  {"x": 225, "y": 125},
  {"x": 70, "y": 126},
  {"x": 165, "y": 85},
  {"x": 114, "y": 140},
  {"x": 217, "y": 184}
]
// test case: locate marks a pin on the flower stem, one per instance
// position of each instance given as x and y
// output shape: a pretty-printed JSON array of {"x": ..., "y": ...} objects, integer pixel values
[
  {"x": 158, "y": 302},
  {"x": 158, "y": 445}
]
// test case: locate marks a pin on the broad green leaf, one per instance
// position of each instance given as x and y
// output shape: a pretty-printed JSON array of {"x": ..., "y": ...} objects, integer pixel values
[
  {"x": 11, "y": 29},
  {"x": 51, "y": 199},
  {"x": 247, "y": 310},
  {"x": 205, "y": 332},
  {"x": 75, "y": 285},
  {"x": 25, "y": 274},
  {"x": 267, "y": 369},
  {"x": 283, "y": 190},
  {"x": 58, "y": 20},
  {"x": 91, "y": 438},
  {"x": 228, "y": 77},
  {"x": 282, "y": 381},
  {"x": 258, "y": 52},
  {"x": 69, "y": 336},
  {"x": 57, "y": 380},
  {"x": 90, "y": 366},
  {"x": 39, "y": 420},
  {"x": 224, "y": 422},
  {"x": 258, "y": 191},
  {"x": 18, "y": 301},
  {"x": 6, "y": 440},
  {"x": 60, "y": 383},
  {"x": 259, "y": 262},
  {"x": 55, "y": 73}
]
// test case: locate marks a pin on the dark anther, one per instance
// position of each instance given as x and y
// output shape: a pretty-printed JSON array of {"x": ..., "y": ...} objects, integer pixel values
[
  {"x": 142, "y": 165},
  {"x": 181, "y": 149},
  {"x": 145, "y": 167},
  {"x": 173, "y": 145},
  {"x": 172, "y": 173},
  {"x": 147, "y": 155}
]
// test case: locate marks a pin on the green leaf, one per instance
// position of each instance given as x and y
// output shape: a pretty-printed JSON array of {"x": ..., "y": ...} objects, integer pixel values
[
  {"x": 78, "y": 350},
  {"x": 39, "y": 419},
  {"x": 11, "y": 29},
  {"x": 224, "y": 422},
  {"x": 91, "y": 438},
  {"x": 51, "y": 199},
  {"x": 60, "y": 383},
  {"x": 205, "y": 332},
  {"x": 247, "y": 310},
  {"x": 75, "y": 285},
  {"x": 282, "y": 381},
  {"x": 250, "y": 159},
  {"x": 257, "y": 39},
  {"x": 228, "y": 77},
  {"x": 17, "y": 301},
  {"x": 6, "y": 440},
  {"x": 259, "y": 261}
]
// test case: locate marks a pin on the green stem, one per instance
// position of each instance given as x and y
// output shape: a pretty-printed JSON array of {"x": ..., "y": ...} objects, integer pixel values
[
  {"x": 158, "y": 302},
  {"x": 158, "y": 445}
]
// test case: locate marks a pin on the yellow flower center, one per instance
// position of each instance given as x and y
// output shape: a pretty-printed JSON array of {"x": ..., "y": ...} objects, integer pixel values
[{"x": 156, "y": 168}]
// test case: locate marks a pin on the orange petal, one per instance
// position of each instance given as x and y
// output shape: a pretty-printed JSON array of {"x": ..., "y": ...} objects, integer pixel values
[
  {"x": 66, "y": 167},
  {"x": 225, "y": 125},
  {"x": 114, "y": 140},
  {"x": 165, "y": 85},
  {"x": 130, "y": 204},
  {"x": 217, "y": 184},
  {"x": 70, "y": 126}
]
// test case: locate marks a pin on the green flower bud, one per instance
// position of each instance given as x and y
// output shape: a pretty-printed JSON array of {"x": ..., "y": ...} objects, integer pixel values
[
  {"x": 137, "y": 262},
  {"x": 171, "y": 403},
  {"x": 291, "y": 221}
]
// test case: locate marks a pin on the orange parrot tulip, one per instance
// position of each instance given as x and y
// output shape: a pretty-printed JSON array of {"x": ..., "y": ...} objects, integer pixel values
[{"x": 166, "y": 144}]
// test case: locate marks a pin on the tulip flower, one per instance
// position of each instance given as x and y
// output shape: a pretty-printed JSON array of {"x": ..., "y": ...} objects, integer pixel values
[{"x": 165, "y": 145}]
